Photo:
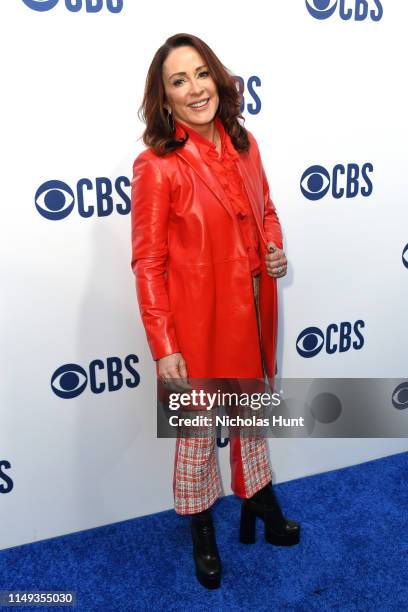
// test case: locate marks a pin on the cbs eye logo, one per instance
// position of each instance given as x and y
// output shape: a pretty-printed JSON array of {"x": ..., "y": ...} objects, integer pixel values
[
  {"x": 336, "y": 338},
  {"x": 55, "y": 200},
  {"x": 70, "y": 379},
  {"x": 348, "y": 9},
  {"x": 405, "y": 256},
  {"x": 41, "y": 5},
  {"x": 345, "y": 181},
  {"x": 90, "y": 6},
  {"x": 400, "y": 396}
]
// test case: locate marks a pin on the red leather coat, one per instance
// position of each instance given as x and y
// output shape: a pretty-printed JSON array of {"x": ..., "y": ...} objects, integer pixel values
[{"x": 193, "y": 279}]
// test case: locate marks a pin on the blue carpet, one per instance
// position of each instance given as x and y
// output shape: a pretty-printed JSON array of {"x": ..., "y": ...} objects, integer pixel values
[{"x": 352, "y": 554}]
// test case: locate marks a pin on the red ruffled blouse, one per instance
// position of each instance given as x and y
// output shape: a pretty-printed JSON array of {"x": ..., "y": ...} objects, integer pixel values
[{"x": 228, "y": 175}]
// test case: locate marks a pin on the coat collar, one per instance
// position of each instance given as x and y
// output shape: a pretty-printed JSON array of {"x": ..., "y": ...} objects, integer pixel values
[{"x": 190, "y": 152}]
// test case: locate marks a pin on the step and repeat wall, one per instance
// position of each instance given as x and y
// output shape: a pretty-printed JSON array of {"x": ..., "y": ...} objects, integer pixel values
[{"x": 325, "y": 96}]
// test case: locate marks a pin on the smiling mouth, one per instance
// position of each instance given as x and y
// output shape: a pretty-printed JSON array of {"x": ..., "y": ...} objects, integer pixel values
[{"x": 199, "y": 103}]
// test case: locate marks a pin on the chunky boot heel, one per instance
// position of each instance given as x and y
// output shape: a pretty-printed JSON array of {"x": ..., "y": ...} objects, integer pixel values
[
  {"x": 205, "y": 552},
  {"x": 247, "y": 527},
  {"x": 287, "y": 535},
  {"x": 279, "y": 530}
]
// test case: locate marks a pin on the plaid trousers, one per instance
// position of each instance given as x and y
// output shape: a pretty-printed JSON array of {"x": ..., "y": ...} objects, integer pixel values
[{"x": 196, "y": 480}]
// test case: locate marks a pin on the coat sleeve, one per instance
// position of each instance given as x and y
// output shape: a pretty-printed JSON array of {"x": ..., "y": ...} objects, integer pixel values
[
  {"x": 150, "y": 204},
  {"x": 271, "y": 221},
  {"x": 272, "y": 224}
]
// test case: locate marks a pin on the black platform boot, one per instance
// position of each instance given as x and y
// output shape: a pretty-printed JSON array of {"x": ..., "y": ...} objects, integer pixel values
[
  {"x": 205, "y": 552},
  {"x": 278, "y": 529}
]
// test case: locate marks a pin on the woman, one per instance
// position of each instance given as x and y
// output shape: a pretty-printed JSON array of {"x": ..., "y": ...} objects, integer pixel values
[{"x": 206, "y": 253}]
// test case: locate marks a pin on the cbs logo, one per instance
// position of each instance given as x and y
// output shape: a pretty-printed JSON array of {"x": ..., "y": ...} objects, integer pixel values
[
  {"x": 71, "y": 379},
  {"x": 6, "y": 483},
  {"x": 335, "y": 338},
  {"x": 55, "y": 200},
  {"x": 405, "y": 256},
  {"x": 250, "y": 100},
  {"x": 344, "y": 181},
  {"x": 90, "y": 6},
  {"x": 400, "y": 396},
  {"x": 358, "y": 10}
]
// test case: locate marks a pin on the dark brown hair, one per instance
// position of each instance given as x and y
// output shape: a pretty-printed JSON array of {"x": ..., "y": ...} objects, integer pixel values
[{"x": 158, "y": 133}]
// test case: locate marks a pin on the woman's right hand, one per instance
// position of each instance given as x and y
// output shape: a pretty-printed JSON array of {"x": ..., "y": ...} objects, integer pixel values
[{"x": 173, "y": 367}]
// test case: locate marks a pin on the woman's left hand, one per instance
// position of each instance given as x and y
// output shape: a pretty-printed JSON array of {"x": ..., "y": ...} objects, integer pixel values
[{"x": 275, "y": 260}]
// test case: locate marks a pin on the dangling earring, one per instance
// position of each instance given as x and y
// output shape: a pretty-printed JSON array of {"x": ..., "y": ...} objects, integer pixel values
[{"x": 171, "y": 124}]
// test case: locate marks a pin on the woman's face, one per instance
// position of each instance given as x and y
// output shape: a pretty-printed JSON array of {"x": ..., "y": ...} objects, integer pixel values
[{"x": 186, "y": 81}]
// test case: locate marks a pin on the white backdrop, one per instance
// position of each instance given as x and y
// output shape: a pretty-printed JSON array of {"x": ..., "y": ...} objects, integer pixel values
[{"x": 318, "y": 92}]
